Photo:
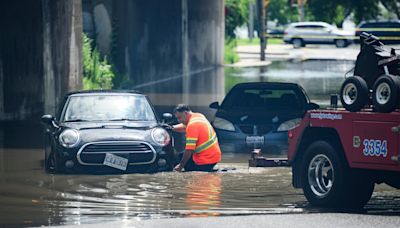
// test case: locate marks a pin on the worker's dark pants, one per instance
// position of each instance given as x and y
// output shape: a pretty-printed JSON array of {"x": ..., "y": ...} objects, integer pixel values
[{"x": 192, "y": 166}]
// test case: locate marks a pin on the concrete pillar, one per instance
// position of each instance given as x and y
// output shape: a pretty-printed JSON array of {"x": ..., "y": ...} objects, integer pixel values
[
  {"x": 103, "y": 28},
  {"x": 62, "y": 50},
  {"x": 75, "y": 47},
  {"x": 1, "y": 89},
  {"x": 48, "y": 74},
  {"x": 185, "y": 52}
]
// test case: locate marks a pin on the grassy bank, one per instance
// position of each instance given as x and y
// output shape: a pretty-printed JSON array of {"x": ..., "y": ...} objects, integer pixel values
[{"x": 256, "y": 41}]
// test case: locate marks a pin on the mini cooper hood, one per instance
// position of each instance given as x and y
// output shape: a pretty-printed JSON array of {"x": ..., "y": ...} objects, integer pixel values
[
  {"x": 106, "y": 131},
  {"x": 143, "y": 125}
]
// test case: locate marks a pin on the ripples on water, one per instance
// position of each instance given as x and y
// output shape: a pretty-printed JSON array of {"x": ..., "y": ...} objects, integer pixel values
[{"x": 29, "y": 197}]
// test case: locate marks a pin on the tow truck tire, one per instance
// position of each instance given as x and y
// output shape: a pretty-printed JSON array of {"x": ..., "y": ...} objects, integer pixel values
[
  {"x": 385, "y": 96},
  {"x": 354, "y": 93},
  {"x": 328, "y": 182}
]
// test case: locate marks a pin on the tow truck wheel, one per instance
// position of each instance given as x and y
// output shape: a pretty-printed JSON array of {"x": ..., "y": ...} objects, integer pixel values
[
  {"x": 328, "y": 182},
  {"x": 386, "y": 93},
  {"x": 354, "y": 93},
  {"x": 322, "y": 175}
]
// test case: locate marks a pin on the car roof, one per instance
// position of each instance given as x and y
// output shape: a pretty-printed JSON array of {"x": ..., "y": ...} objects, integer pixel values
[
  {"x": 86, "y": 92},
  {"x": 309, "y": 23},
  {"x": 280, "y": 85},
  {"x": 378, "y": 22}
]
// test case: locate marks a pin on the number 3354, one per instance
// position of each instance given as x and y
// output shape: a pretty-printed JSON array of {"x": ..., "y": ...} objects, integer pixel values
[{"x": 375, "y": 147}]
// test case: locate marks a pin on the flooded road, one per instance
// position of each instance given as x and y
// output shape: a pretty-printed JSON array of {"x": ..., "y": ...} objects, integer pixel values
[{"x": 30, "y": 197}]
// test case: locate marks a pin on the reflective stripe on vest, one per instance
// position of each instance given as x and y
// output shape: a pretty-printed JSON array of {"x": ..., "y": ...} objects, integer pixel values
[
  {"x": 191, "y": 141},
  {"x": 206, "y": 144},
  {"x": 212, "y": 138}
]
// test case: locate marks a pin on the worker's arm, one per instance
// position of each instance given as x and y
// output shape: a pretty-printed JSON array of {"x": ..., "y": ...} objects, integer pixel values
[
  {"x": 185, "y": 158},
  {"x": 179, "y": 127}
]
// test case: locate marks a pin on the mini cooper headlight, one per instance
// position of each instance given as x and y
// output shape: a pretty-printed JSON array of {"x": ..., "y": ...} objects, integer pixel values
[
  {"x": 160, "y": 136},
  {"x": 69, "y": 138}
]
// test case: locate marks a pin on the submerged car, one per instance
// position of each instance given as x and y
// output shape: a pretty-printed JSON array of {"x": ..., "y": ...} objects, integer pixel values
[
  {"x": 106, "y": 132},
  {"x": 314, "y": 32},
  {"x": 258, "y": 115}
]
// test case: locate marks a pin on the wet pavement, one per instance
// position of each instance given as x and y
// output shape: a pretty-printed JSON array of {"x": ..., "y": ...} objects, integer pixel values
[{"x": 30, "y": 197}]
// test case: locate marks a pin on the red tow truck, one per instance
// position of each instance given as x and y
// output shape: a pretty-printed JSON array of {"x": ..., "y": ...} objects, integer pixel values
[{"x": 337, "y": 156}]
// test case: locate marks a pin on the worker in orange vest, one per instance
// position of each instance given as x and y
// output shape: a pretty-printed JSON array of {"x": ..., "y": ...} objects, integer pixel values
[{"x": 202, "y": 151}]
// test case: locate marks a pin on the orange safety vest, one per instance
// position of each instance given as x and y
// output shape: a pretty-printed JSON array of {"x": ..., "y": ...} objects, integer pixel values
[{"x": 202, "y": 139}]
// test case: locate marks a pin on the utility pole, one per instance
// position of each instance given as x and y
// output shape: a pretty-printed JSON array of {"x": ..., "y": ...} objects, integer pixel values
[
  {"x": 300, "y": 9},
  {"x": 251, "y": 20},
  {"x": 261, "y": 27}
]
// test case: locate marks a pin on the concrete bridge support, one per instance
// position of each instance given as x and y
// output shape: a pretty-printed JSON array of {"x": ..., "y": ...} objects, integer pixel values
[
  {"x": 40, "y": 55},
  {"x": 157, "y": 40}
]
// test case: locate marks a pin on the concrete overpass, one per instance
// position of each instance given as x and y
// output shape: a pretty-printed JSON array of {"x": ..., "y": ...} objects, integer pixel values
[{"x": 150, "y": 40}]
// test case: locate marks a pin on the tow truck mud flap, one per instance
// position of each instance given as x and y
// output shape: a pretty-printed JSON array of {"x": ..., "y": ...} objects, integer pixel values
[{"x": 268, "y": 162}]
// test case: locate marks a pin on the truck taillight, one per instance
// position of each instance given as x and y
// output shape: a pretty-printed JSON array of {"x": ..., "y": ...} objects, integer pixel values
[{"x": 290, "y": 134}]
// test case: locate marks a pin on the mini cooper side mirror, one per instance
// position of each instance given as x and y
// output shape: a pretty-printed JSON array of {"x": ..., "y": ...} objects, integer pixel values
[
  {"x": 214, "y": 105},
  {"x": 47, "y": 119},
  {"x": 167, "y": 117}
]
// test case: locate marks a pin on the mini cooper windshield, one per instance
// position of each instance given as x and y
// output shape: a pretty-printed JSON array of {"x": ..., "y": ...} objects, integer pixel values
[{"x": 93, "y": 107}]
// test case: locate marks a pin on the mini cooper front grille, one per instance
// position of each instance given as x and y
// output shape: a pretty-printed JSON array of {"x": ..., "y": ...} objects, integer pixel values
[{"x": 136, "y": 152}]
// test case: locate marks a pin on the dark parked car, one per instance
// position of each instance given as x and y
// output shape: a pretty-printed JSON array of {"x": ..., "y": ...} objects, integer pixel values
[
  {"x": 106, "y": 132},
  {"x": 258, "y": 115},
  {"x": 388, "y": 32}
]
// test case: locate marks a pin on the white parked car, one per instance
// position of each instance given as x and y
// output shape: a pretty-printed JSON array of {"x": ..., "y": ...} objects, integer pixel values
[{"x": 301, "y": 33}]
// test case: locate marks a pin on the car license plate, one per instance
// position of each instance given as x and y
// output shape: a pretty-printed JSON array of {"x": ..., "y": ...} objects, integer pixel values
[
  {"x": 115, "y": 161},
  {"x": 255, "y": 139}
]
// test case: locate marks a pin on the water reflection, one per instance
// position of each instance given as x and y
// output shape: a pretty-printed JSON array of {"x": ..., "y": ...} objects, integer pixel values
[{"x": 203, "y": 195}]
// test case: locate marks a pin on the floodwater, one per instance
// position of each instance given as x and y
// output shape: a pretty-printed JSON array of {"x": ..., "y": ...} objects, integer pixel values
[{"x": 30, "y": 197}]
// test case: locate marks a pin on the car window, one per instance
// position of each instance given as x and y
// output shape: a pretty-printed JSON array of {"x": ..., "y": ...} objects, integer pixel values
[
  {"x": 108, "y": 107},
  {"x": 269, "y": 99},
  {"x": 381, "y": 25},
  {"x": 368, "y": 25},
  {"x": 310, "y": 27},
  {"x": 393, "y": 25}
]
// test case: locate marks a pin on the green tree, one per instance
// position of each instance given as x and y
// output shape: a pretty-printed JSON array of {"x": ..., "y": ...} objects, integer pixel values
[
  {"x": 392, "y": 6},
  {"x": 331, "y": 11},
  {"x": 335, "y": 11},
  {"x": 281, "y": 11},
  {"x": 236, "y": 14},
  {"x": 97, "y": 72}
]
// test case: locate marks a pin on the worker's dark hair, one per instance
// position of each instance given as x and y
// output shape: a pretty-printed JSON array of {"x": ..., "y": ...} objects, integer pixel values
[{"x": 182, "y": 108}]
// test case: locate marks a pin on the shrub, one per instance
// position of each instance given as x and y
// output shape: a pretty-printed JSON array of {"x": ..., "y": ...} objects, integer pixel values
[{"x": 97, "y": 71}]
